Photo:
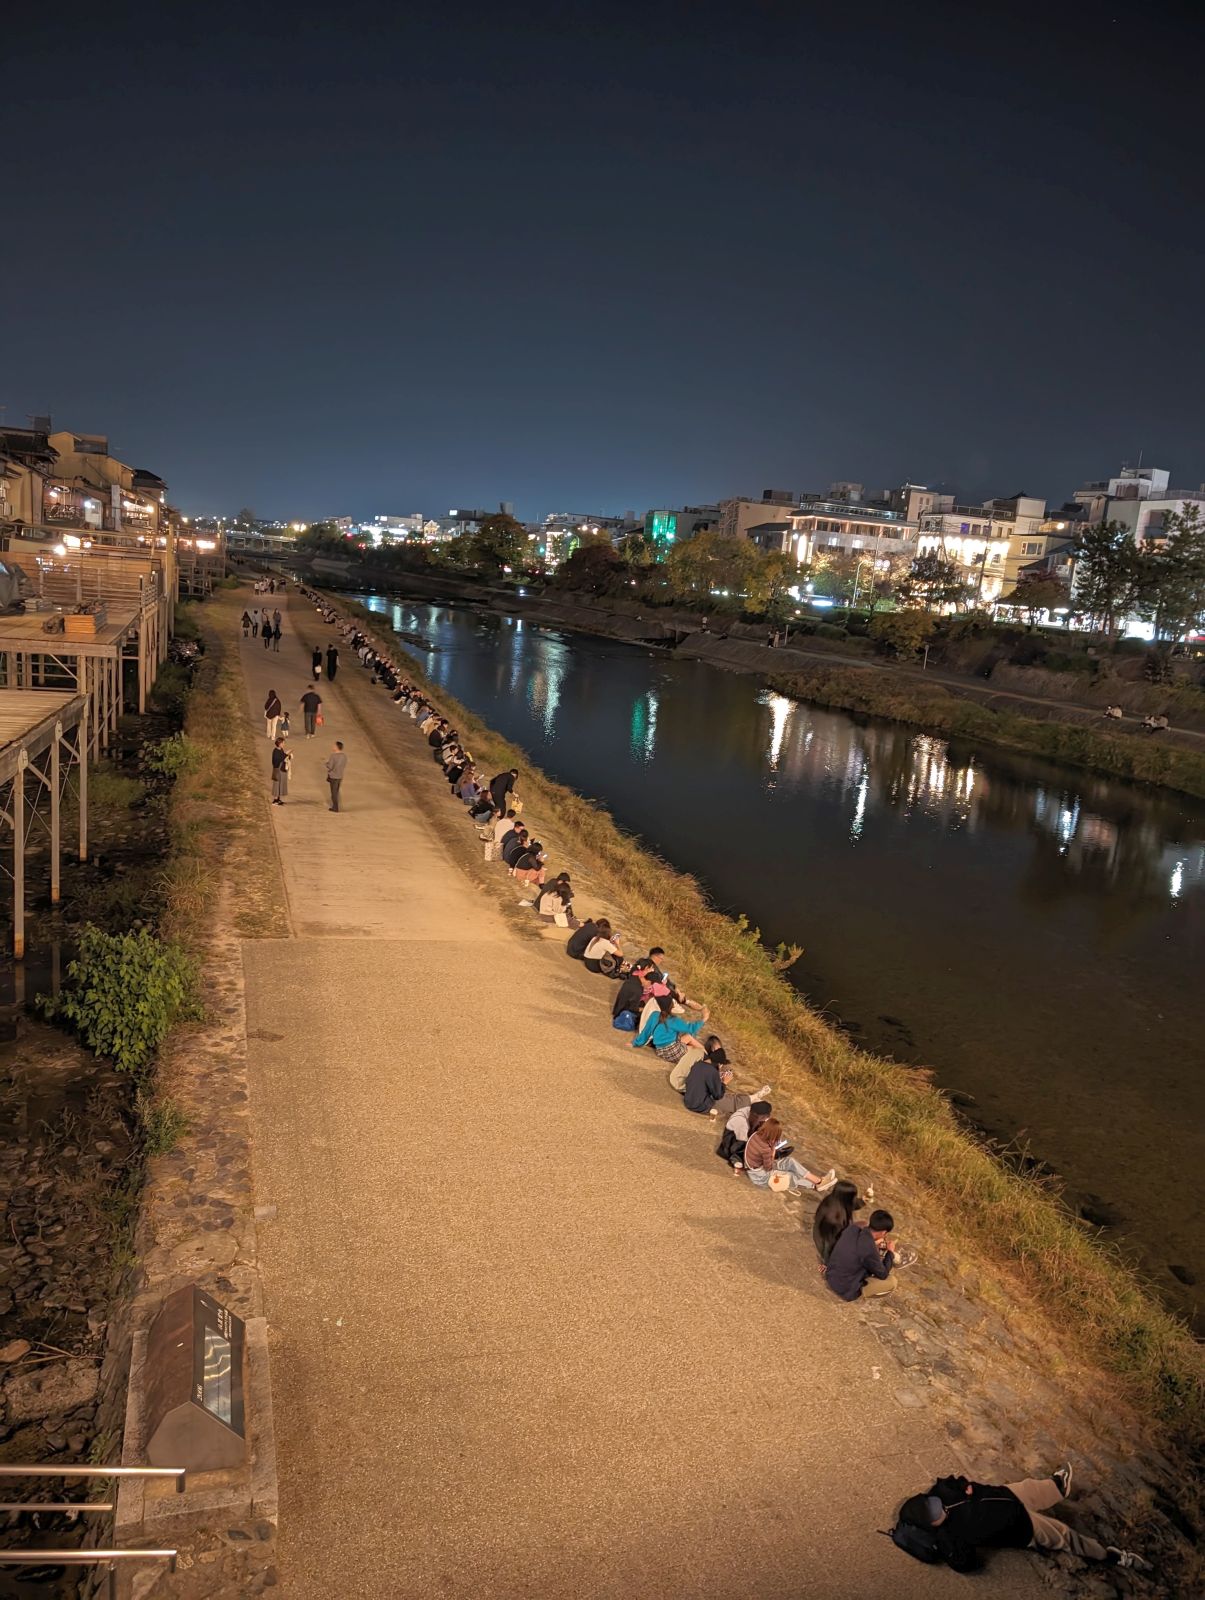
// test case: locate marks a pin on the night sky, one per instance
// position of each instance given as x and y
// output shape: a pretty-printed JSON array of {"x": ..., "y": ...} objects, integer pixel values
[{"x": 381, "y": 259}]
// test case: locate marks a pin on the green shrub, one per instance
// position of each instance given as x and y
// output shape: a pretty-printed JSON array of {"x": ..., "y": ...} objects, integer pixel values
[
  {"x": 170, "y": 693},
  {"x": 901, "y": 633},
  {"x": 169, "y": 758},
  {"x": 830, "y": 630},
  {"x": 122, "y": 994}
]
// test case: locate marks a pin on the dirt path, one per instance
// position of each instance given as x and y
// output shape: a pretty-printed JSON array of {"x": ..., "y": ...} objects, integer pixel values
[{"x": 528, "y": 1338}]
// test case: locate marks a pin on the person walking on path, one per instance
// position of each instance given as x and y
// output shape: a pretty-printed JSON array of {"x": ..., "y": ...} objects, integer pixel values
[
  {"x": 272, "y": 711},
  {"x": 276, "y": 619},
  {"x": 316, "y": 662},
  {"x": 281, "y": 761},
  {"x": 276, "y": 632},
  {"x": 958, "y": 1518},
  {"x": 246, "y": 623},
  {"x": 336, "y": 766},
  {"x": 332, "y": 662},
  {"x": 311, "y": 706},
  {"x": 267, "y": 633},
  {"x": 255, "y": 623}
]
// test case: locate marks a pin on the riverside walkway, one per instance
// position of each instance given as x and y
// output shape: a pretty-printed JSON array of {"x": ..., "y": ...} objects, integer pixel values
[{"x": 528, "y": 1337}]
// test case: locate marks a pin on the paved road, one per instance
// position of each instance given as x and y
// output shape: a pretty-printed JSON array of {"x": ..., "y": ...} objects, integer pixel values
[{"x": 529, "y": 1338}]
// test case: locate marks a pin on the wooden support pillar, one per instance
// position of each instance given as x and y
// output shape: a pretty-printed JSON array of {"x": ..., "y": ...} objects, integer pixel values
[
  {"x": 54, "y": 815},
  {"x": 143, "y": 642},
  {"x": 84, "y": 757},
  {"x": 18, "y": 805}
]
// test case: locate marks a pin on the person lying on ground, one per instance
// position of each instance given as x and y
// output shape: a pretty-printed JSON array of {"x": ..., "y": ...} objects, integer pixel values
[
  {"x": 860, "y": 1261},
  {"x": 761, "y": 1158},
  {"x": 960, "y": 1518},
  {"x": 706, "y": 1085},
  {"x": 630, "y": 994},
  {"x": 833, "y": 1215},
  {"x": 604, "y": 943},
  {"x": 670, "y": 1036}
]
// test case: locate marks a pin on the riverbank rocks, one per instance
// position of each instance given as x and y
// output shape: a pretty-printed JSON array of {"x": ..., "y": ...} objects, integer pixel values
[{"x": 50, "y": 1389}]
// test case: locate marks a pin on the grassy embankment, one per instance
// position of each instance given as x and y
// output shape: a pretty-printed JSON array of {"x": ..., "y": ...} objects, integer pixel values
[
  {"x": 897, "y": 1122},
  {"x": 936, "y": 710}
]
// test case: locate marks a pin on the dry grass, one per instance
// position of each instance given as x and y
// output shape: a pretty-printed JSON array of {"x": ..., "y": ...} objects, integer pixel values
[{"x": 888, "y": 1117}]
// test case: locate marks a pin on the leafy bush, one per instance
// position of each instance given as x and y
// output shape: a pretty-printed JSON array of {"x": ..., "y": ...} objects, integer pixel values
[
  {"x": 122, "y": 994},
  {"x": 901, "y": 633},
  {"x": 830, "y": 630},
  {"x": 1069, "y": 661},
  {"x": 170, "y": 693},
  {"x": 187, "y": 626},
  {"x": 169, "y": 758}
]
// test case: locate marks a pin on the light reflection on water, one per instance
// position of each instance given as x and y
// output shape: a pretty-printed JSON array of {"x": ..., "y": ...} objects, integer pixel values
[{"x": 1033, "y": 932}]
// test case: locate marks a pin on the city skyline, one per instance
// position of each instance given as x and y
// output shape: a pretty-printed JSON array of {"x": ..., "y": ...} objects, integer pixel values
[{"x": 607, "y": 262}]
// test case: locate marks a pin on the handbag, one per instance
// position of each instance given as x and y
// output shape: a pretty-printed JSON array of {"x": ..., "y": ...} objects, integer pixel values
[
  {"x": 491, "y": 852},
  {"x": 780, "y": 1181},
  {"x": 319, "y": 720},
  {"x": 625, "y": 1021}
]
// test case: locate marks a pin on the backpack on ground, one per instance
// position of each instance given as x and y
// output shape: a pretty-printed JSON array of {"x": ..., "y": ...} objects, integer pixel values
[
  {"x": 625, "y": 1021},
  {"x": 920, "y": 1543}
]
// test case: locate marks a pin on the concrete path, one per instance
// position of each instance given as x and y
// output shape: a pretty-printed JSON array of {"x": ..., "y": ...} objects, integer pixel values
[{"x": 529, "y": 1338}]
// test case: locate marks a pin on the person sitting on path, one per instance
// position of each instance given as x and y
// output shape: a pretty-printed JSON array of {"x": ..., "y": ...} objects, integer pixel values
[
  {"x": 332, "y": 662},
  {"x": 529, "y": 867},
  {"x": 316, "y": 663},
  {"x": 960, "y": 1518},
  {"x": 311, "y": 705},
  {"x": 503, "y": 826},
  {"x": 741, "y": 1122},
  {"x": 630, "y": 994},
  {"x": 605, "y": 944},
  {"x": 272, "y": 710},
  {"x": 860, "y": 1262},
  {"x": 761, "y": 1159},
  {"x": 706, "y": 1085},
  {"x": 513, "y": 844},
  {"x": 502, "y": 786},
  {"x": 833, "y": 1215},
  {"x": 280, "y": 772},
  {"x": 670, "y": 1036},
  {"x": 336, "y": 766}
]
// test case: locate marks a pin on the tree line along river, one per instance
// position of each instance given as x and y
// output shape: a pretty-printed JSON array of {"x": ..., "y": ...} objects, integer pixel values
[{"x": 1033, "y": 933}]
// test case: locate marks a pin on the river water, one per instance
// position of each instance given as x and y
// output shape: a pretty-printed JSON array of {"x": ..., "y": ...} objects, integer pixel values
[{"x": 1034, "y": 933}]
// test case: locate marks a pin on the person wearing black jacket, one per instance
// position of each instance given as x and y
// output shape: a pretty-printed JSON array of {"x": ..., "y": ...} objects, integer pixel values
[
  {"x": 502, "y": 785},
  {"x": 630, "y": 992},
  {"x": 966, "y": 1517},
  {"x": 706, "y": 1085}
]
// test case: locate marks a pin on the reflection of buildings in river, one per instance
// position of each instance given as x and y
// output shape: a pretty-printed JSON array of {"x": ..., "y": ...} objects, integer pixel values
[
  {"x": 644, "y": 726},
  {"x": 902, "y": 771}
]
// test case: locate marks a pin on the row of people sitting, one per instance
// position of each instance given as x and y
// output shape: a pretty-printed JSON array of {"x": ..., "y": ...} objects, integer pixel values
[{"x": 856, "y": 1260}]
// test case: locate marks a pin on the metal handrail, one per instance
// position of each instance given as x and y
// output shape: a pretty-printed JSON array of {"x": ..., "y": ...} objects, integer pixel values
[
  {"x": 180, "y": 1474},
  {"x": 56, "y": 1505},
  {"x": 85, "y": 1557}
]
